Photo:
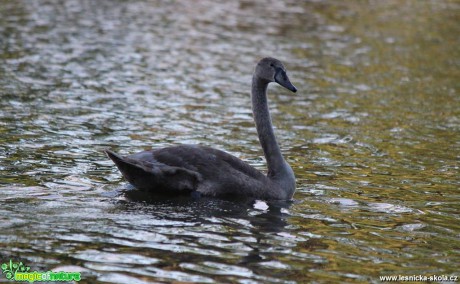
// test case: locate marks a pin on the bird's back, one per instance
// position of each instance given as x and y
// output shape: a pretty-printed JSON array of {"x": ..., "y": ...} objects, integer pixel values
[{"x": 194, "y": 168}]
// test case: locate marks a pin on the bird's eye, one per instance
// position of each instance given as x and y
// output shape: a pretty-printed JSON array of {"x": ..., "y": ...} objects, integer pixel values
[{"x": 272, "y": 65}]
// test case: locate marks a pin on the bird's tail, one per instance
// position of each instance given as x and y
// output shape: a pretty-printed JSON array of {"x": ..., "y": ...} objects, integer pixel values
[{"x": 155, "y": 177}]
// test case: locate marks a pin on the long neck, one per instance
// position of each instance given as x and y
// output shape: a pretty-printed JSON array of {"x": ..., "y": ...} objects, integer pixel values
[{"x": 277, "y": 167}]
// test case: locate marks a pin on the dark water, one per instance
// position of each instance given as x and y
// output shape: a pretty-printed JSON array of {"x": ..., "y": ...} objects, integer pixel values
[{"x": 373, "y": 136}]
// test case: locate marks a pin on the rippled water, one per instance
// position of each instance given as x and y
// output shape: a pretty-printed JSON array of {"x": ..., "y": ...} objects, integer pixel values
[{"x": 373, "y": 136}]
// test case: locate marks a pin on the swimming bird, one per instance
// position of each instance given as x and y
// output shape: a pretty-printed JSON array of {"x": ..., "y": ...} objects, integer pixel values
[{"x": 195, "y": 169}]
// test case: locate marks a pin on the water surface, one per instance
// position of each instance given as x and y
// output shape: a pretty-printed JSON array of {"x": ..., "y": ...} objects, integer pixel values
[{"x": 373, "y": 136}]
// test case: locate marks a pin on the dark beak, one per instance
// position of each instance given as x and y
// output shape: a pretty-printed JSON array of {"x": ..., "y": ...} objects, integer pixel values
[{"x": 282, "y": 79}]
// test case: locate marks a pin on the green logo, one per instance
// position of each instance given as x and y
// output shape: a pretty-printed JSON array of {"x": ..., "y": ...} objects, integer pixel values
[{"x": 17, "y": 271}]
